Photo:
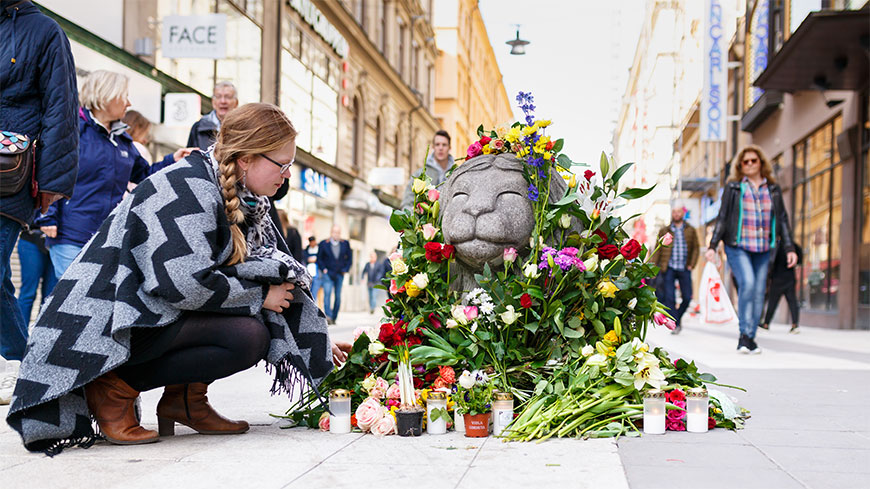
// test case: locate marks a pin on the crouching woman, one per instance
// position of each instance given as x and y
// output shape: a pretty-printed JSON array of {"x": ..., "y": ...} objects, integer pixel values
[{"x": 185, "y": 282}]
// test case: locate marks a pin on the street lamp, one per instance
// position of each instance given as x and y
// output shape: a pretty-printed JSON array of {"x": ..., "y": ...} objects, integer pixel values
[{"x": 518, "y": 46}]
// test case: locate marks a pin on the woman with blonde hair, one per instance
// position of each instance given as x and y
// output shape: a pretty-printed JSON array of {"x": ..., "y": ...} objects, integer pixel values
[
  {"x": 140, "y": 131},
  {"x": 752, "y": 220},
  {"x": 185, "y": 283},
  {"x": 108, "y": 162}
]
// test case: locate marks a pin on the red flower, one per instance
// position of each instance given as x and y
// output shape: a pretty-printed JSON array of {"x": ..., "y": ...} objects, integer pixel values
[
  {"x": 630, "y": 250},
  {"x": 434, "y": 321},
  {"x": 711, "y": 423},
  {"x": 447, "y": 374},
  {"x": 418, "y": 383},
  {"x": 550, "y": 145},
  {"x": 398, "y": 335},
  {"x": 485, "y": 140},
  {"x": 589, "y": 174},
  {"x": 676, "y": 395},
  {"x": 526, "y": 301},
  {"x": 433, "y": 251},
  {"x": 601, "y": 234},
  {"x": 353, "y": 420},
  {"x": 386, "y": 333},
  {"x": 608, "y": 251},
  {"x": 431, "y": 376},
  {"x": 447, "y": 251},
  {"x": 413, "y": 340}
]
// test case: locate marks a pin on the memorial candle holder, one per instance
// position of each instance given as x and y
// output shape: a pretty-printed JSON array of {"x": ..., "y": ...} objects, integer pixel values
[
  {"x": 654, "y": 412},
  {"x": 697, "y": 410},
  {"x": 339, "y": 411}
]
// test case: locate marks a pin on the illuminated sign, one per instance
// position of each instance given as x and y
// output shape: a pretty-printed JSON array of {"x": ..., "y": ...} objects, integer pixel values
[
  {"x": 714, "y": 98},
  {"x": 756, "y": 58},
  {"x": 315, "y": 183}
]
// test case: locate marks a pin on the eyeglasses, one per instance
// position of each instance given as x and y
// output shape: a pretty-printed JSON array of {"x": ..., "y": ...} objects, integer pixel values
[
  {"x": 750, "y": 161},
  {"x": 283, "y": 167}
]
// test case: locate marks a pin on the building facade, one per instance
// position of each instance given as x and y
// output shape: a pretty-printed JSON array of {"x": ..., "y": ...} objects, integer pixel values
[{"x": 469, "y": 87}]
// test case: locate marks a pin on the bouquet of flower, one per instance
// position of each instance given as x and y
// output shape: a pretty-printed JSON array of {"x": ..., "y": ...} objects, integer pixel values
[{"x": 474, "y": 393}]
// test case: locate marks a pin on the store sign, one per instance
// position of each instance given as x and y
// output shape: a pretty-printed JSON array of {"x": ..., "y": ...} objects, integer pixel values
[
  {"x": 315, "y": 183},
  {"x": 714, "y": 98},
  {"x": 181, "y": 109},
  {"x": 321, "y": 25},
  {"x": 194, "y": 36},
  {"x": 758, "y": 40}
]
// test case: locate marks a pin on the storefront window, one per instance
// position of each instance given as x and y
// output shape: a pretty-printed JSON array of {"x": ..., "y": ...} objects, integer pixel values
[
  {"x": 198, "y": 73},
  {"x": 864, "y": 247},
  {"x": 817, "y": 215}
]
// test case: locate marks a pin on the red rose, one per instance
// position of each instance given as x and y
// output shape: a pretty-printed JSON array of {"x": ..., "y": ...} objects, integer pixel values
[
  {"x": 414, "y": 340},
  {"x": 550, "y": 145},
  {"x": 608, "y": 251},
  {"x": 589, "y": 174},
  {"x": 526, "y": 301},
  {"x": 630, "y": 250},
  {"x": 433, "y": 251},
  {"x": 434, "y": 320},
  {"x": 418, "y": 383},
  {"x": 711, "y": 423},
  {"x": 601, "y": 234},
  {"x": 485, "y": 140},
  {"x": 398, "y": 335},
  {"x": 385, "y": 333},
  {"x": 447, "y": 251},
  {"x": 431, "y": 376},
  {"x": 676, "y": 395}
]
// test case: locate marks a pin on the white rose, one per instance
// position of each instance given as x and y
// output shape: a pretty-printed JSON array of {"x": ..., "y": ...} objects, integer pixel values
[
  {"x": 591, "y": 263},
  {"x": 587, "y": 350},
  {"x": 451, "y": 323},
  {"x": 369, "y": 382},
  {"x": 376, "y": 348},
  {"x": 466, "y": 380},
  {"x": 421, "y": 280},
  {"x": 509, "y": 316},
  {"x": 604, "y": 263},
  {"x": 565, "y": 221},
  {"x": 632, "y": 303},
  {"x": 399, "y": 267},
  {"x": 531, "y": 270},
  {"x": 458, "y": 313}
]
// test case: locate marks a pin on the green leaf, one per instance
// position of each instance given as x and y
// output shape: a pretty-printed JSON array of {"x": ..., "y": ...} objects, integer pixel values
[
  {"x": 605, "y": 165},
  {"x": 568, "y": 199},
  {"x": 599, "y": 327},
  {"x": 397, "y": 221},
  {"x": 483, "y": 334},
  {"x": 623, "y": 378},
  {"x": 480, "y": 130},
  {"x": 620, "y": 172},
  {"x": 533, "y": 327},
  {"x": 575, "y": 322},
  {"x": 707, "y": 377},
  {"x": 623, "y": 353},
  {"x": 572, "y": 333},
  {"x": 557, "y": 146},
  {"x": 564, "y": 161},
  {"x": 535, "y": 292},
  {"x": 635, "y": 193}
]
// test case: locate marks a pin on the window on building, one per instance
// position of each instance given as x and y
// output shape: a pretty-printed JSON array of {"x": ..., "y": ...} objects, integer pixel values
[
  {"x": 379, "y": 142},
  {"x": 363, "y": 14},
  {"x": 402, "y": 44},
  {"x": 357, "y": 127},
  {"x": 415, "y": 58},
  {"x": 382, "y": 14},
  {"x": 818, "y": 178}
]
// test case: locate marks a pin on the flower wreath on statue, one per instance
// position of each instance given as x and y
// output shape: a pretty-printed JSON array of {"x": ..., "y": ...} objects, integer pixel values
[{"x": 560, "y": 324}]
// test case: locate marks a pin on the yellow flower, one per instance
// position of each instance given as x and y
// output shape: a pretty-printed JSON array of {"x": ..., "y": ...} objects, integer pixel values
[
  {"x": 487, "y": 150},
  {"x": 411, "y": 289},
  {"x": 573, "y": 182},
  {"x": 611, "y": 337},
  {"x": 543, "y": 123},
  {"x": 529, "y": 130},
  {"x": 547, "y": 155},
  {"x": 419, "y": 186},
  {"x": 513, "y": 135},
  {"x": 501, "y": 132},
  {"x": 606, "y": 288}
]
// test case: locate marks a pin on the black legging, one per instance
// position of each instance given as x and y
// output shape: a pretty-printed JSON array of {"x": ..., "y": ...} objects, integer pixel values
[
  {"x": 196, "y": 348},
  {"x": 775, "y": 291}
]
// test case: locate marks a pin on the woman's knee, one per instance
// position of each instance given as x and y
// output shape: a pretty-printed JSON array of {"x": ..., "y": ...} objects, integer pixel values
[{"x": 254, "y": 339}]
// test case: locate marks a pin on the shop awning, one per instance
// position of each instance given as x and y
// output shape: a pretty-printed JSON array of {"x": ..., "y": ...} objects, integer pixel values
[
  {"x": 828, "y": 51},
  {"x": 701, "y": 184}
]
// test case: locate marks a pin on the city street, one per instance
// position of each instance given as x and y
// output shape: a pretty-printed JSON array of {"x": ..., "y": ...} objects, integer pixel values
[{"x": 809, "y": 429}]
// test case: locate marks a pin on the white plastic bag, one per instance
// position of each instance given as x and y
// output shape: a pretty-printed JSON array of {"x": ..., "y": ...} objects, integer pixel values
[{"x": 716, "y": 307}]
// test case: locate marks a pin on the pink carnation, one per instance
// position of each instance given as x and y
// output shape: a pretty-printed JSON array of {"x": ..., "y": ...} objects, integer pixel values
[
  {"x": 385, "y": 426},
  {"x": 470, "y": 312},
  {"x": 368, "y": 413}
]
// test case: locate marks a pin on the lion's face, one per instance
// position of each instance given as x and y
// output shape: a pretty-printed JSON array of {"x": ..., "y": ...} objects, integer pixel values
[{"x": 487, "y": 211}]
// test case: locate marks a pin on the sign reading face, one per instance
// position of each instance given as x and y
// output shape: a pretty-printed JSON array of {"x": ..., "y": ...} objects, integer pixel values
[{"x": 486, "y": 210}]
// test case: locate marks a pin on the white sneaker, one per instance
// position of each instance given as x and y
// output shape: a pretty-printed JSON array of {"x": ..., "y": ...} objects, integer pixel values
[{"x": 8, "y": 380}]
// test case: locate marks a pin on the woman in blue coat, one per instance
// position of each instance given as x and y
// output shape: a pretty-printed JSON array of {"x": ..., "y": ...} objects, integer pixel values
[{"x": 108, "y": 161}]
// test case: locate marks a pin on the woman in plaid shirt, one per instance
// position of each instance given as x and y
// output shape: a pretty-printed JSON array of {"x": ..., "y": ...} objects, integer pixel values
[{"x": 751, "y": 219}]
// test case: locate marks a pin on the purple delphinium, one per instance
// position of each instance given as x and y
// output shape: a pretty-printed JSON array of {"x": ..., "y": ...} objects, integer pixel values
[{"x": 533, "y": 192}]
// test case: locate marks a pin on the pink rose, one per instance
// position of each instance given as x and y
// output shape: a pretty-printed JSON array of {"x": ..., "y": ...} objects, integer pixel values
[
  {"x": 368, "y": 413},
  {"x": 429, "y": 231},
  {"x": 324, "y": 422},
  {"x": 470, "y": 312},
  {"x": 677, "y": 414},
  {"x": 394, "y": 392},
  {"x": 675, "y": 424},
  {"x": 380, "y": 389},
  {"x": 476, "y": 149},
  {"x": 497, "y": 144},
  {"x": 391, "y": 403},
  {"x": 665, "y": 321},
  {"x": 419, "y": 209},
  {"x": 385, "y": 426},
  {"x": 396, "y": 256},
  {"x": 510, "y": 255},
  {"x": 361, "y": 331},
  {"x": 667, "y": 239},
  {"x": 433, "y": 195}
]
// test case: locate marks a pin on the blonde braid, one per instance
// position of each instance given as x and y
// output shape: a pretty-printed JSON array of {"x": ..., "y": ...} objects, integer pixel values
[{"x": 228, "y": 179}]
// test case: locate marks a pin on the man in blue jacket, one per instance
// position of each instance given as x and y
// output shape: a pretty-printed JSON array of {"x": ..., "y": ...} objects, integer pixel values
[
  {"x": 333, "y": 261},
  {"x": 38, "y": 98}
]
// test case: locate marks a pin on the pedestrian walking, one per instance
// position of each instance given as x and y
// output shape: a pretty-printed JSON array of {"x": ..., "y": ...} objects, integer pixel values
[
  {"x": 291, "y": 237},
  {"x": 311, "y": 263},
  {"x": 782, "y": 283},
  {"x": 204, "y": 131},
  {"x": 108, "y": 163},
  {"x": 752, "y": 220},
  {"x": 185, "y": 283},
  {"x": 676, "y": 263},
  {"x": 36, "y": 268},
  {"x": 373, "y": 272},
  {"x": 438, "y": 161},
  {"x": 333, "y": 261},
  {"x": 139, "y": 129},
  {"x": 38, "y": 148}
]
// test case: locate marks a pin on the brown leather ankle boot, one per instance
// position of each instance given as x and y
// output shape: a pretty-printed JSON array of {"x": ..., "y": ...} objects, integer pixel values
[
  {"x": 187, "y": 404},
  {"x": 110, "y": 401}
]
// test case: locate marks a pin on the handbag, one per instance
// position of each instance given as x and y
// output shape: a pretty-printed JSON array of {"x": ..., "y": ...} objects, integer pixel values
[{"x": 17, "y": 163}]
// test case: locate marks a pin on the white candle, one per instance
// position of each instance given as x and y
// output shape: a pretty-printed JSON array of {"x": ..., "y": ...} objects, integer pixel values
[
  {"x": 436, "y": 400},
  {"x": 654, "y": 412},
  {"x": 339, "y": 407},
  {"x": 339, "y": 424},
  {"x": 458, "y": 420},
  {"x": 697, "y": 407},
  {"x": 502, "y": 412}
]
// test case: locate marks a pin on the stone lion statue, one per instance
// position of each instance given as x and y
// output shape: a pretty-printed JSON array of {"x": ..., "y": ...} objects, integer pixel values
[{"x": 485, "y": 209}]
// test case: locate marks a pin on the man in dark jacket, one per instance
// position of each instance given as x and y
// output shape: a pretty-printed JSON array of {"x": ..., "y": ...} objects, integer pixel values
[
  {"x": 676, "y": 263},
  {"x": 333, "y": 261},
  {"x": 38, "y": 98},
  {"x": 204, "y": 132}
]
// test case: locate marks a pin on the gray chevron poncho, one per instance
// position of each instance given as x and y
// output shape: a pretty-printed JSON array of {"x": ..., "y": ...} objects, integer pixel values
[{"x": 158, "y": 254}]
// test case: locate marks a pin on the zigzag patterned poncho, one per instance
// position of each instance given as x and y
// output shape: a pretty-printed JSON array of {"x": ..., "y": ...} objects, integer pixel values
[{"x": 158, "y": 254}]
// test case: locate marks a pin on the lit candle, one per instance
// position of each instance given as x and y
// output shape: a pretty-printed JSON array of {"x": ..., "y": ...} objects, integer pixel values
[
  {"x": 339, "y": 408},
  {"x": 654, "y": 412},
  {"x": 502, "y": 412},
  {"x": 458, "y": 419},
  {"x": 697, "y": 410},
  {"x": 436, "y": 400}
]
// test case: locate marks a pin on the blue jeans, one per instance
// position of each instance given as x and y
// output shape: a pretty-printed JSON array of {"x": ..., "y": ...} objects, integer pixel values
[
  {"x": 35, "y": 266},
  {"x": 62, "y": 256},
  {"x": 331, "y": 284},
  {"x": 669, "y": 296},
  {"x": 373, "y": 298},
  {"x": 13, "y": 329},
  {"x": 750, "y": 271}
]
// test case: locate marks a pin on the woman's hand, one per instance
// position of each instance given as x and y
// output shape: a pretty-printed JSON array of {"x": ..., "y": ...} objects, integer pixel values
[
  {"x": 279, "y": 297},
  {"x": 340, "y": 350},
  {"x": 791, "y": 259},
  {"x": 711, "y": 255},
  {"x": 182, "y": 153},
  {"x": 50, "y": 231}
]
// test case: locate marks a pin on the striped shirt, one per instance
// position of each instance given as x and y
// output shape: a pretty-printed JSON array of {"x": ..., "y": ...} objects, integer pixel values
[
  {"x": 680, "y": 251},
  {"x": 756, "y": 213}
]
